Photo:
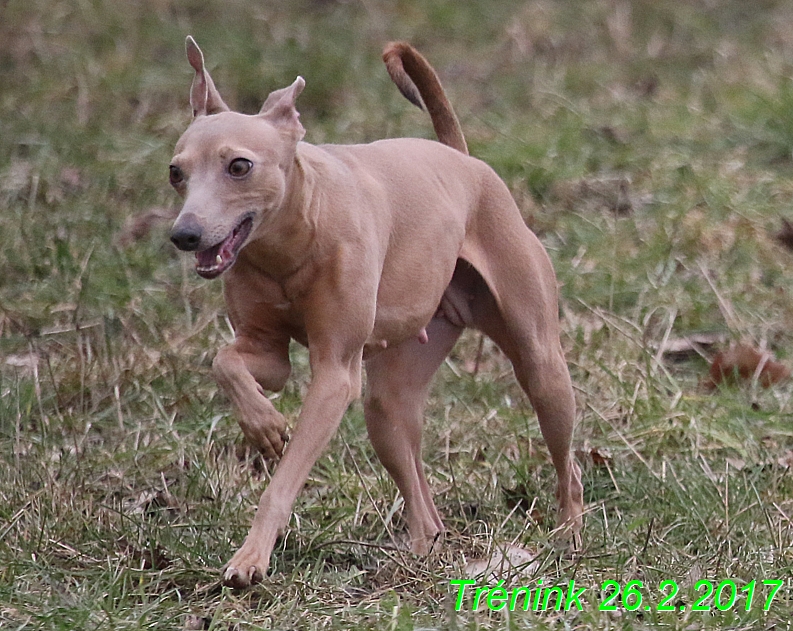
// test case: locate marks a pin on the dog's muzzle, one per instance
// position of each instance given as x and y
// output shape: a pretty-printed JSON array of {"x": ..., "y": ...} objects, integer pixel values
[{"x": 188, "y": 234}]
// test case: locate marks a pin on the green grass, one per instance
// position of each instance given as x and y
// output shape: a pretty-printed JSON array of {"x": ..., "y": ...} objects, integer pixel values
[{"x": 124, "y": 481}]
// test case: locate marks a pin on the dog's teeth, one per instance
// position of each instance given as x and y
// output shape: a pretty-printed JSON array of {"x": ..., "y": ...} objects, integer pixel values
[{"x": 219, "y": 259}]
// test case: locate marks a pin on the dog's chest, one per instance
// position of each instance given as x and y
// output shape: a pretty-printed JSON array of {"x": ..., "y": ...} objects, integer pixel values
[{"x": 256, "y": 301}]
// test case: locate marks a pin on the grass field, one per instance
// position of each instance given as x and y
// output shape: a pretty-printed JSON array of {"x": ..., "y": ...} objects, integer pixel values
[{"x": 649, "y": 144}]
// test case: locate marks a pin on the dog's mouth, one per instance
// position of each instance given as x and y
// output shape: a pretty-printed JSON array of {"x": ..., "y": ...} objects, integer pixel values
[{"x": 213, "y": 261}]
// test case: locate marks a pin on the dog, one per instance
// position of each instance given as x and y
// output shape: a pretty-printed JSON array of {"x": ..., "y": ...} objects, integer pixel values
[{"x": 374, "y": 255}]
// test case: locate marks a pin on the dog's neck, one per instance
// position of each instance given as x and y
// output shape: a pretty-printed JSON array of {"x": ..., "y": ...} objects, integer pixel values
[{"x": 282, "y": 245}]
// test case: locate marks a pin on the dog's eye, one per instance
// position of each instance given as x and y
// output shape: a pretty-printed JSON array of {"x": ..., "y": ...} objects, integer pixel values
[
  {"x": 240, "y": 167},
  {"x": 176, "y": 175}
]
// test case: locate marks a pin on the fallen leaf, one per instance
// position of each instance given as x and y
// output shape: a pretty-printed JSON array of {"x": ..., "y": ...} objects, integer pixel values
[
  {"x": 153, "y": 501},
  {"x": 785, "y": 235},
  {"x": 511, "y": 559},
  {"x": 145, "y": 558},
  {"x": 612, "y": 193},
  {"x": 71, "y": 178},
  {"x": 138, "y": 227},
  {"x": 736, "y": 463},
  {"x": 786, "y": 459},
  {"x": 16, "y": 179},
  {"x": 613, "y": 134},
  {"x": 196, "y": 623},
  {"x": 743, "y": 362},
  {"x": 599, "y": 457},
  {"x": 647, "y": 86},
  {"x": 26, "y": 361},
  {"x": 683, "y": 348}
]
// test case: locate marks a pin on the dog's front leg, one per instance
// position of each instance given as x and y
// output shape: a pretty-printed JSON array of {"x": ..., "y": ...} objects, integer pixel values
[
  {"x": 243, "y": 369},
  {"x": 333, "y": 386}
]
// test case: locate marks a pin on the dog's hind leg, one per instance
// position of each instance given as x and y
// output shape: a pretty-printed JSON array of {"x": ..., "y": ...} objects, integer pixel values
[
  {"x": 398, "y": 381},
  {"x": 542, "y": 372},
  {"x": 524, "y": 324},
  {"x": 533, "y": 347}
]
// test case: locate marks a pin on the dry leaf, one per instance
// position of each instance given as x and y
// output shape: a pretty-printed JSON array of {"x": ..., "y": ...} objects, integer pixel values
[
  {"x": 786, "y": 459},
  {"x": 196, "y": 623},
  {"x": 26, "y": 361},
  {"x": 742, "y": 362},
  {"x": 138, "y": 227},
  {"x": 682, "y": 348},
  {"x": 502, "y": 562},
  {"x": 785, "y": 235},
  {"x": 591, "y": 194},
  {"x": 599, "y": 457},
  {"x": 145, "y": 558}
]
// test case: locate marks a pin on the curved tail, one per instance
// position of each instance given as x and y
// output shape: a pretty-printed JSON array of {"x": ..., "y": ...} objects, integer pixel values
[{"x": 417, "y": 81}]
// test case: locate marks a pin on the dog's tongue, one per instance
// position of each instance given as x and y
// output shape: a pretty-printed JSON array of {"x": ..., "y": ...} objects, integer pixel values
[
  {"x": 209, "y": 257},
  {"x": 213, "y": 261}
]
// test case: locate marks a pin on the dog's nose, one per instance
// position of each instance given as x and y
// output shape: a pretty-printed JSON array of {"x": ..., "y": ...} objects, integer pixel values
[{"x": 186, "y": 235}]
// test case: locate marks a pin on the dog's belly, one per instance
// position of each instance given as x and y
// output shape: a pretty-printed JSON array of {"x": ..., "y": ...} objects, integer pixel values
[
  {"x": 407, "y": 302},
  {"x": 416, "y": 272},
  {"x": 394, "y": 325}
]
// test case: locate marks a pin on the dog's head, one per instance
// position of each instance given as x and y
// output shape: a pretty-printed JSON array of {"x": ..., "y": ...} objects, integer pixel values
[{"x": 230, "y": 168}]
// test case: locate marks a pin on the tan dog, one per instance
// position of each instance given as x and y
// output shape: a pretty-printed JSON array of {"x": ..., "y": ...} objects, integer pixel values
[{"x": 380, "y": 253}]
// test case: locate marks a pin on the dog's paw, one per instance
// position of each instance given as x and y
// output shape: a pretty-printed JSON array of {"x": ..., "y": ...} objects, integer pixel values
[
  {"x": 266, "y": 431},
  {"x": 427, "y": 544},
  {"x": 247, "y": 567},
  {"x": 237, "y": 579}
]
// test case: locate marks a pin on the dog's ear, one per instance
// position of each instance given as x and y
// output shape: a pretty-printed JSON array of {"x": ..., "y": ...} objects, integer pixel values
[
  {"x": 279, "y": 108},
  {"x": 204, "y": 97}
]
